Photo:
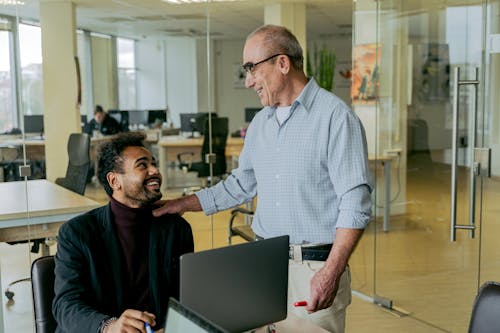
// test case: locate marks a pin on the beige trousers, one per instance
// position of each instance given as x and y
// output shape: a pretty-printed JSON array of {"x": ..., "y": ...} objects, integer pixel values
[{"x": 331, "y": 319}]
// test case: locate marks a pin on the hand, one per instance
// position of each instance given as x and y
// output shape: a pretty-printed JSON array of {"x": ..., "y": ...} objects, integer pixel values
[
  {"x": 177, "y": 206},
  {"x": 131, "y": 321},
  {"x": 159, "y": 331},
  {"x": 324, "y": 286}
]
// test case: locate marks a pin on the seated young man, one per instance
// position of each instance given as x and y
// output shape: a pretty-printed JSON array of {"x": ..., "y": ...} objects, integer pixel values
[{"x": 117, "y": 265}]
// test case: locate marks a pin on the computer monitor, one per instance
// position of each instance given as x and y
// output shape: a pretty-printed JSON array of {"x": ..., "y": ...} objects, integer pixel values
[
  {"x": 33, "y": 124},
  {"x": 239, "y": 287},
  {"x": 137, "y": 117},
  {"x": 187, "y": 121},
  {"x": 250, "y": 113},
  {"x": 116, "y": 114},
  {"x": 121, "y": 117},
  {"x": 157, "y": 116},
  {"x": 181, "y": 319}
]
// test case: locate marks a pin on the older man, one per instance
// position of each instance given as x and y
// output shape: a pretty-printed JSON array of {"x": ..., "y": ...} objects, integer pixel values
[{"x": 305, "y": 157}]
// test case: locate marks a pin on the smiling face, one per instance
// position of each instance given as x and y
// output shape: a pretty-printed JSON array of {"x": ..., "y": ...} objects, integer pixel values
[
  {"x": 138, "y": 184},
  {"x": 266, "y": 78}
]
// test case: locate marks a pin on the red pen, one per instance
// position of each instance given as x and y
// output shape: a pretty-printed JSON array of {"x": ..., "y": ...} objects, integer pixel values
[{"x": 300, "y": 303}]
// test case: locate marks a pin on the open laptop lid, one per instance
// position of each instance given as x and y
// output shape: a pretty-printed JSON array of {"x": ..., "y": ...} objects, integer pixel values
[
  {"x": 239, "y": 287},
  {"x": 180, "y": 319}
]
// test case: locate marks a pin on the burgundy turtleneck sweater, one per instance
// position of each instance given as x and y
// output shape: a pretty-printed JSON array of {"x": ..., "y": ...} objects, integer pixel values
[{"x": 132, "y": 230}]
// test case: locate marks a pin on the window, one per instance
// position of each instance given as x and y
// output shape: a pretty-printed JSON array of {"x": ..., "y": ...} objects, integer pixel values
[
  {"x": 126, "y": 74},
  {"x": 30, "y": 49},
  {"x": 7, "y": 109}
]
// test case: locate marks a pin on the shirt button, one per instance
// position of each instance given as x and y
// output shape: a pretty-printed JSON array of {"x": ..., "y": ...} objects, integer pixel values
[
  {"x": 277, "y": 204},
  {"x": 277, "y": 149},
  {"x": 277, "y": 176}
]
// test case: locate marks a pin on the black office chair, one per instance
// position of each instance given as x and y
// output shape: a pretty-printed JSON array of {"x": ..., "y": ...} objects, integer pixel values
[
  {"x": 220, "y": 131},
  {"x": 485, "y": 316},
  {"x": 243, "y": 230},
  {"x": 42, "y": 281},
  {"x": 78, "y": 165},
  {"x": 75, "y": 180}
]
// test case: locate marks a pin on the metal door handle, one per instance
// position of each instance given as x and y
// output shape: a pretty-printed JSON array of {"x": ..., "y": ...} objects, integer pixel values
[{"x": 472, "y": 199}]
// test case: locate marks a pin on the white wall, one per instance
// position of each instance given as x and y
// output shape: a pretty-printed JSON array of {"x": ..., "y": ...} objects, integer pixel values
[
  {"x": 151, "y": 80},
  {"x": 230, "y": 97},
  {"x": 206, "y": 81},
  {"x": 181, "y": 77}
]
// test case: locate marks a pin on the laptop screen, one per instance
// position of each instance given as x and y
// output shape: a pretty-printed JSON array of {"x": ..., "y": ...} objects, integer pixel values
[
  {"x": 239, "y": 287},
  {"x": 180, "y": 319}
]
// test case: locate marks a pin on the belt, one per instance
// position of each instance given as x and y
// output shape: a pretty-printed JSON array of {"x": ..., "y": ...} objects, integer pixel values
[
  {"x": 316, "y": 252},
  {"x": 306, "y": 252}
]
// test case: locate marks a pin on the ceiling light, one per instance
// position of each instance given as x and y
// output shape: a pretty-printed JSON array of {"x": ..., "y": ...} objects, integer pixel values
[
  {"x": 182, "y": 2},
  {"x": 11, "y": 2}
]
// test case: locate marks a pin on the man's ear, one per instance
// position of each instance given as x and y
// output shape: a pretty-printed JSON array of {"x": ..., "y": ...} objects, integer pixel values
[
  {"x": 113, "y": 180},
  {"x": 284, "y": 64}
]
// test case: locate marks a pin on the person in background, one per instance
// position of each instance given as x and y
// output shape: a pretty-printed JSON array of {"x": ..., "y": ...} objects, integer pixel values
[
  {"x": 103, "y": 123},
  {"x": 116, "y": 266},
  {"x": 305, "y": 156}
]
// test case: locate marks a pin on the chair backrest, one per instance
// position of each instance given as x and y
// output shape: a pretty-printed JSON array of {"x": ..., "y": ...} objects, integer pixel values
[
  {"x": 42, "y": 281},
  {"x": 220, "y": 131},
  {"x": 78, "y": 164},
  {"x": 486, "y": 310}
]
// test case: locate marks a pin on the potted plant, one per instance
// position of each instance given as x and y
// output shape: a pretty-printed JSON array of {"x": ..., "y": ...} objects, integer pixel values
[{"x": 321, "y": 66}]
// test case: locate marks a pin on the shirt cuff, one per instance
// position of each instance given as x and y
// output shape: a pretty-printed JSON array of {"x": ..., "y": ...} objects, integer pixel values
[{"x": 207, "y": 201}]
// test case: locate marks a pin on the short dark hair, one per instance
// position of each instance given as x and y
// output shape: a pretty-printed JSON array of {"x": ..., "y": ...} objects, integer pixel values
[
  {"x": 98, "y": 109},
  {"x": 110, "y": 155},
  {"x": 278, "y": 39}
]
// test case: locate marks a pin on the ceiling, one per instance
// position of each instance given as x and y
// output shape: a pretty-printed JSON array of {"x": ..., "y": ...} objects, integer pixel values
[{"x": 157, "y": 19}]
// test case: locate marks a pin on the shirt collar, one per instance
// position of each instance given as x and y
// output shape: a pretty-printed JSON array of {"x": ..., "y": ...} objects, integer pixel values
[{"x": 306, "y": 98}]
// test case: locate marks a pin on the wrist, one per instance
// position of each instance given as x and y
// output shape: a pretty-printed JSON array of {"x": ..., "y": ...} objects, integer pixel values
[{"x": 103, "y": 328}]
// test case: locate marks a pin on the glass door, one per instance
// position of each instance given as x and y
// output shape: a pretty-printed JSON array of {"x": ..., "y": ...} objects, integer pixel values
[
  {"x": 490, "y": 139},
  {"x": 431, "y": 103}
]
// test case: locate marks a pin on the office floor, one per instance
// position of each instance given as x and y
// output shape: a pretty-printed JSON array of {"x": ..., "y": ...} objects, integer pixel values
[{"x": 362, "y": 316}]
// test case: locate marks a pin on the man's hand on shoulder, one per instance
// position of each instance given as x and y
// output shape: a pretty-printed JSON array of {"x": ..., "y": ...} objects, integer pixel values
[
  {"x": 131, "y": 321},
  {"x": 179, "y": 206}
]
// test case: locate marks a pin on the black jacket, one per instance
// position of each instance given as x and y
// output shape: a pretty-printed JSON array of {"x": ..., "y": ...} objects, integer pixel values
[{"x": 88, "y": 287}]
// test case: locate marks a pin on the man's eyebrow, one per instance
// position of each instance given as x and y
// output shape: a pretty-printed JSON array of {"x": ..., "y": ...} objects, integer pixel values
[{"x": 141, "y": 159}]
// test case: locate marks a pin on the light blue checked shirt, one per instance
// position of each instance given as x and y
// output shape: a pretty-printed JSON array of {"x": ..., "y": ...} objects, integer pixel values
[{"x": 310, "y": 173}]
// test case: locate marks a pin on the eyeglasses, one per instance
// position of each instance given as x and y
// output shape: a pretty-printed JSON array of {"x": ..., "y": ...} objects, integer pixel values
[{"x": 249, "y": 67}]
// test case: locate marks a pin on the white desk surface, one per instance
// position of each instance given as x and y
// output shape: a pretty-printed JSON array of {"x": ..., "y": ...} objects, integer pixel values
[{"x": 39, "y": 201}]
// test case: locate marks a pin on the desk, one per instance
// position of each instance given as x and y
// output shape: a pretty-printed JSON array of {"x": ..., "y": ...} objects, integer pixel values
[
  {"x": 49, "y": 206},
  {"x": 170, "y": 146}
]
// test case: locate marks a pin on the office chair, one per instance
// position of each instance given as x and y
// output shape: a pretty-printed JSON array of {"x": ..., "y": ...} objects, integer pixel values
[
  {"x": 78, "y": 165},
  {"x": 220, "y": 131},
  {"x": 75, "y": 180},
  {"x": 243, "y": 230},
  {"x": 42, "y": 281},
  {"x": 485, "y": 316}
]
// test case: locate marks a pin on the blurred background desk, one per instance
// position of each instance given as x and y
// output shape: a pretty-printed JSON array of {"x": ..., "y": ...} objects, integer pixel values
[
  {"x": 42, "y": 205},
  {"x": 12, "y": 155},
  {"x": 170, "y": 146},
  {"x": 39, "y": 203}
]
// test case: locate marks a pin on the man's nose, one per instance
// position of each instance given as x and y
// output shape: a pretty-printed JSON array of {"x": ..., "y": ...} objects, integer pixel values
[
  {"x": 249, "y": 80},
  {"x": 153, "y": 169}
]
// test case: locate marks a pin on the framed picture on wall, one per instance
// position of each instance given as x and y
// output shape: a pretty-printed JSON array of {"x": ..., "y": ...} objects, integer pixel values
[
  {"x": 365, "y": 74},
  {"x": 239, "y": 76}
]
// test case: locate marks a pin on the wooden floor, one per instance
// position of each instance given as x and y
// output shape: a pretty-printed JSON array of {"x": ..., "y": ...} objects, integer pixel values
[{"x": 363, "y": 316}]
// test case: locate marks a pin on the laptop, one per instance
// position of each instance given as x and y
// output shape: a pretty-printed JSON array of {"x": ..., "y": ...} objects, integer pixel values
[
  {"x": 180, "y": 319},
  {"x": 239, "y": 287}
]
